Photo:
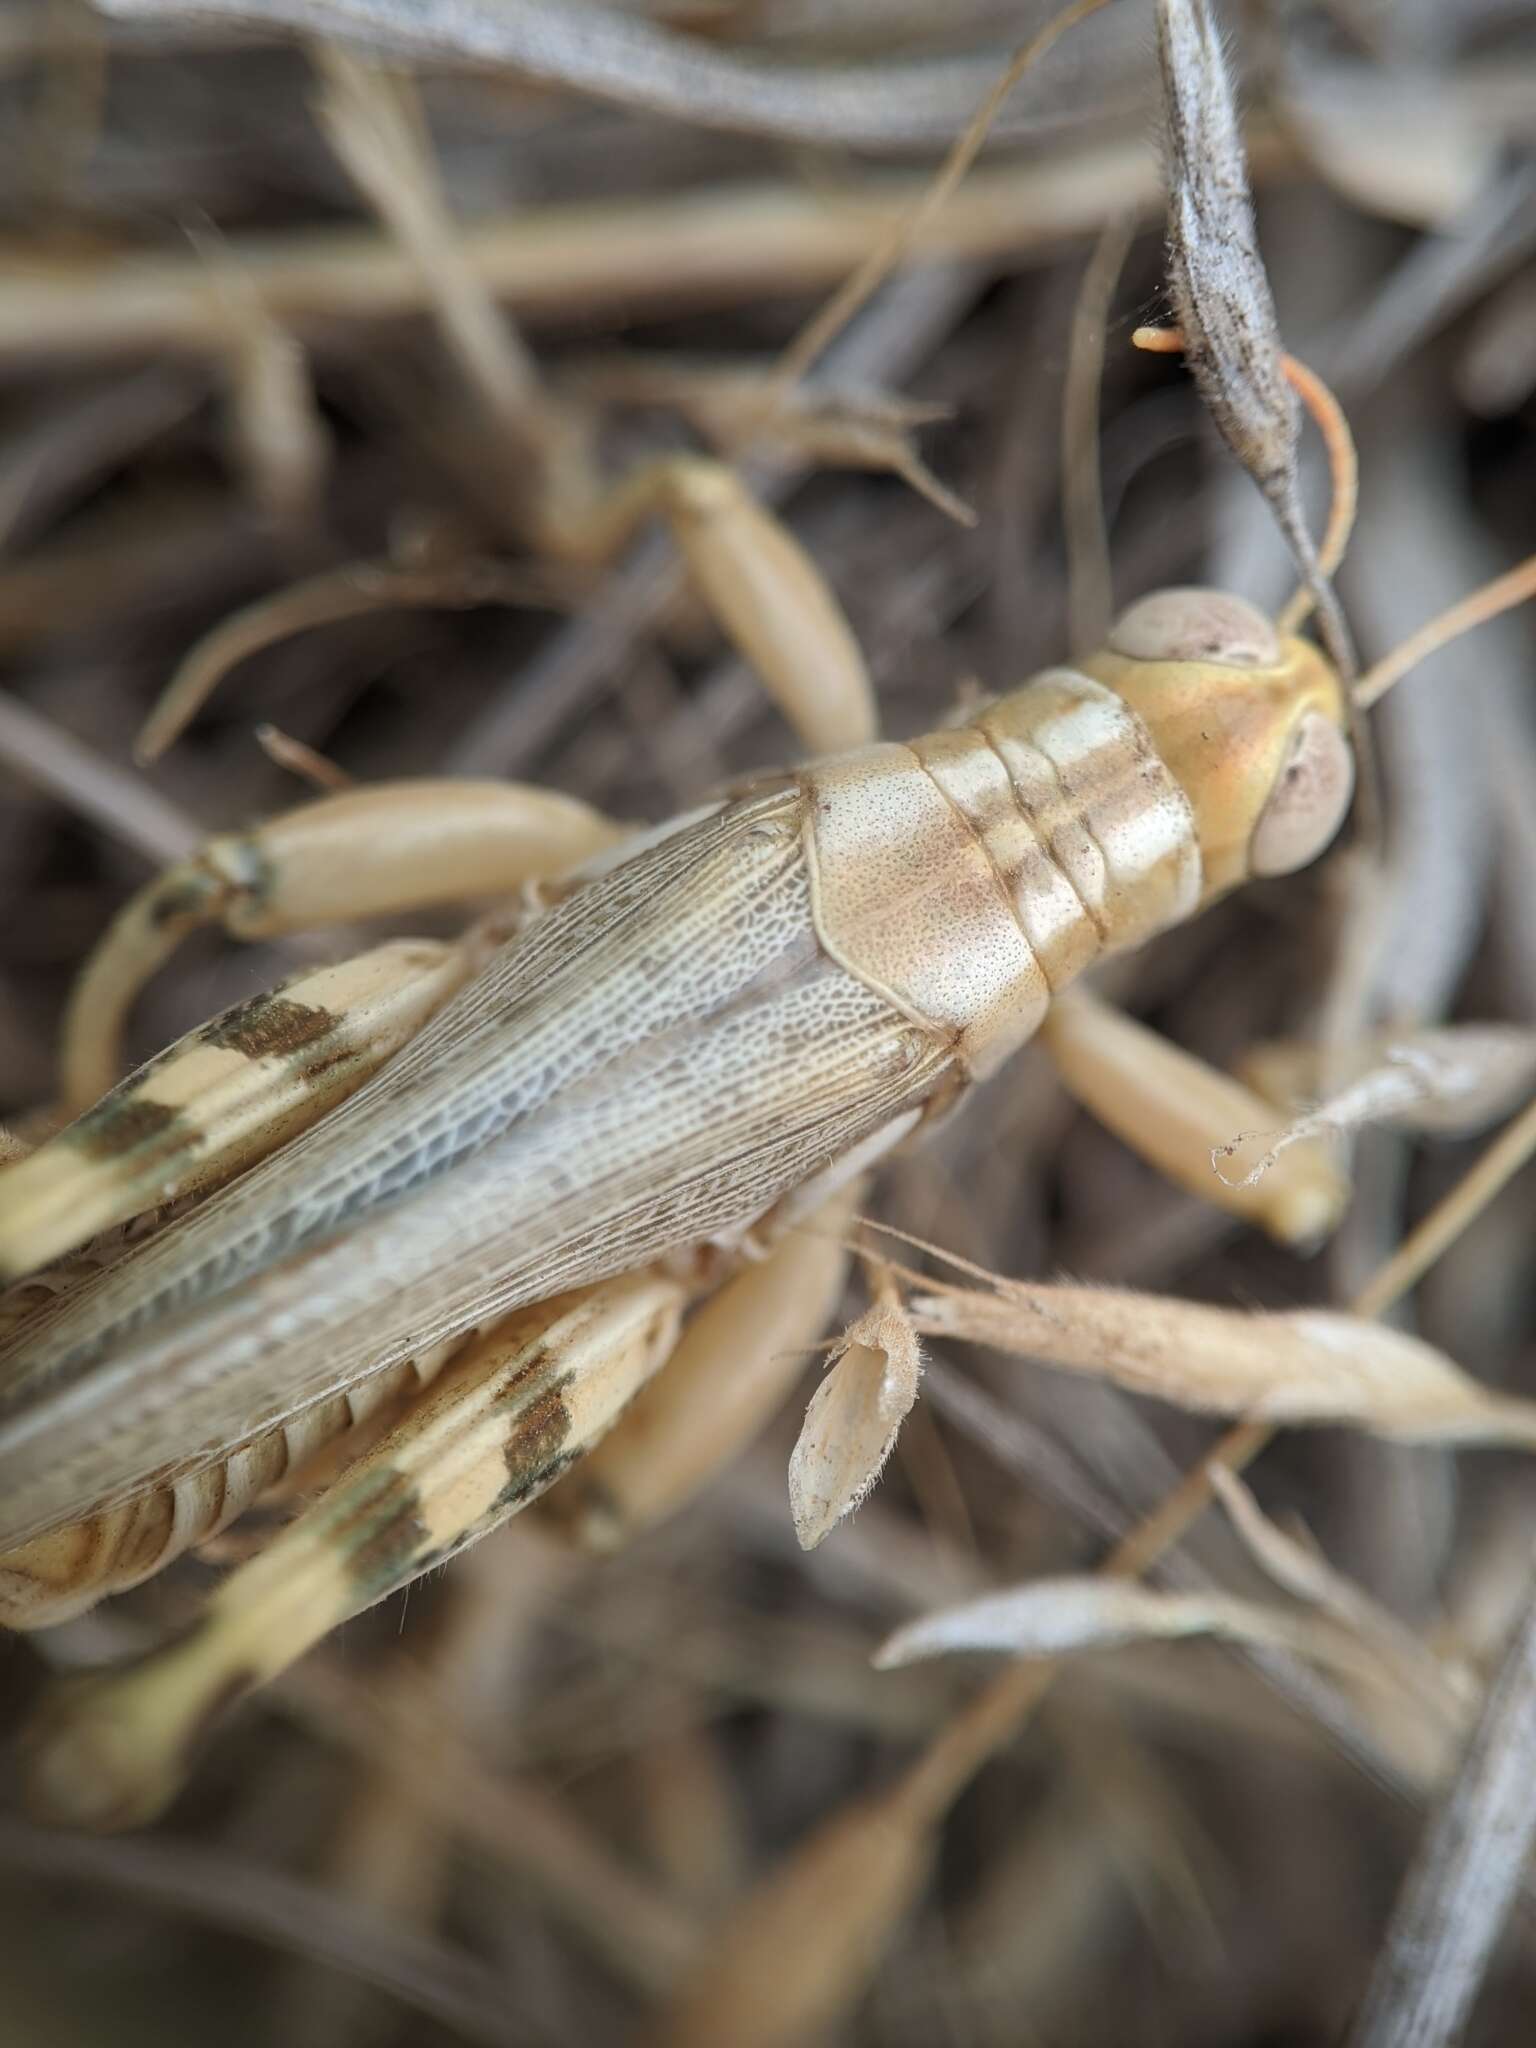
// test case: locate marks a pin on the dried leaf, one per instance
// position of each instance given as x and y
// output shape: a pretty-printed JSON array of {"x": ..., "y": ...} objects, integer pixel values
[
  {"x": 1466, "y": 1876},
  {"x": 1474, "y": 1075},
  {"x": 352, "y": 591},
  {"x": 1063, "y": 1617},
  {"x": 1453, "y": 1081},
  {"x": 1220, "y": 288},
  {"x": 851, "y": 1424},
  {"x": 1305, "y": 1366}
]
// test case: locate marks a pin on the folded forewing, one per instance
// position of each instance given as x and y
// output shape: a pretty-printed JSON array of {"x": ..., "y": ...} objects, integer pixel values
[{"x": 653, "y": 1064}]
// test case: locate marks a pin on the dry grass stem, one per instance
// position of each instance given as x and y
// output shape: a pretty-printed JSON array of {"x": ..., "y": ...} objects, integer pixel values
[
  {"x": 95, "y": 787},
  {"x": 350, "y": 592},
  {"x": 641, "y": 64},
  {"x": 307, "y": 763},
  {"x": 376, "y": 126},
  {"x": 509, "y": 1817},
  {"x": 279, "y": 443},
  {"x": 784, "y": 1965},
  {"x": 715, "y": 247},
  {"x": 895, "y": 247},
  {"x": 240, "y": 1897},
  {"x": 1464, "y": 1881},
  {"x": 1451, "y": 1688}
]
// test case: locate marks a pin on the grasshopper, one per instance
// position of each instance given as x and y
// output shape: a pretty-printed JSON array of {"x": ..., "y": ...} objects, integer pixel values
[{"x": 478, "y": 1186}]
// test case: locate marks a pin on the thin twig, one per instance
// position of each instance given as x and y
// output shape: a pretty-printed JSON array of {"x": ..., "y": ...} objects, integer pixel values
[{"x": 115, "y": 798}]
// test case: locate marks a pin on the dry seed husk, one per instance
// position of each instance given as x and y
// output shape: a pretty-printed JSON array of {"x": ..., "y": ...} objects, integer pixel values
[
  {"x": 1302, "y": 1366},
  {"x": 853, "y": 1419}
]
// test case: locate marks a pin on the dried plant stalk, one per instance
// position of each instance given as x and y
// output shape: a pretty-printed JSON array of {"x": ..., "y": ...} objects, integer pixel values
[
  {"x": 1448, "y": 1687},
  {"x": 1090, "y": 583},
  {"x": 642, "y": 64},
  {"x": 715, "y": 247}
]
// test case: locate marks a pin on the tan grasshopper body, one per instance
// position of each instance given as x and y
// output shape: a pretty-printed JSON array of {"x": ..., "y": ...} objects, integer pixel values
[{"x": 727, "y": 1019}]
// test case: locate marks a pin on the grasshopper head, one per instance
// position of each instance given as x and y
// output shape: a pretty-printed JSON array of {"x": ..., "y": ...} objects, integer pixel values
[{"x": 1253, "y": 727}]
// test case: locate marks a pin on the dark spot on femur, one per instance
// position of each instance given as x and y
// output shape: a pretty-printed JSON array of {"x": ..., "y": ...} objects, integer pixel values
[
  {"x": 381, "y": 1535},
  {"x": 328, "y": 1061},
  {"x": 267, "y": 1025},
  {"x": 122, "y": 1124},
  {"x": 535, "y": 1448}
]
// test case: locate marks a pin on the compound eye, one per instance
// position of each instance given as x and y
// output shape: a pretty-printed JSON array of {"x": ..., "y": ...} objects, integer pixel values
[
  {"x": 1196, "y": 625},
  {"x": 1307, "y": 805}
]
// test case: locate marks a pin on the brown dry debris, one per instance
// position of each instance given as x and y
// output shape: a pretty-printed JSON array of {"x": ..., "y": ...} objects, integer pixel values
[{"x": 318, "y": 359}]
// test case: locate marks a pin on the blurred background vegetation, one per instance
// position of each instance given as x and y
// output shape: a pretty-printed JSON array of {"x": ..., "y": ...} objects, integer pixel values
[{"x": 222, "y": 373}]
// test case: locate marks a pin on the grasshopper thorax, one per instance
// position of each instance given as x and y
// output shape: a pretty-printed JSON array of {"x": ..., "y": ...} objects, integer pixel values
[{"x": 1252, "y": 725}]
